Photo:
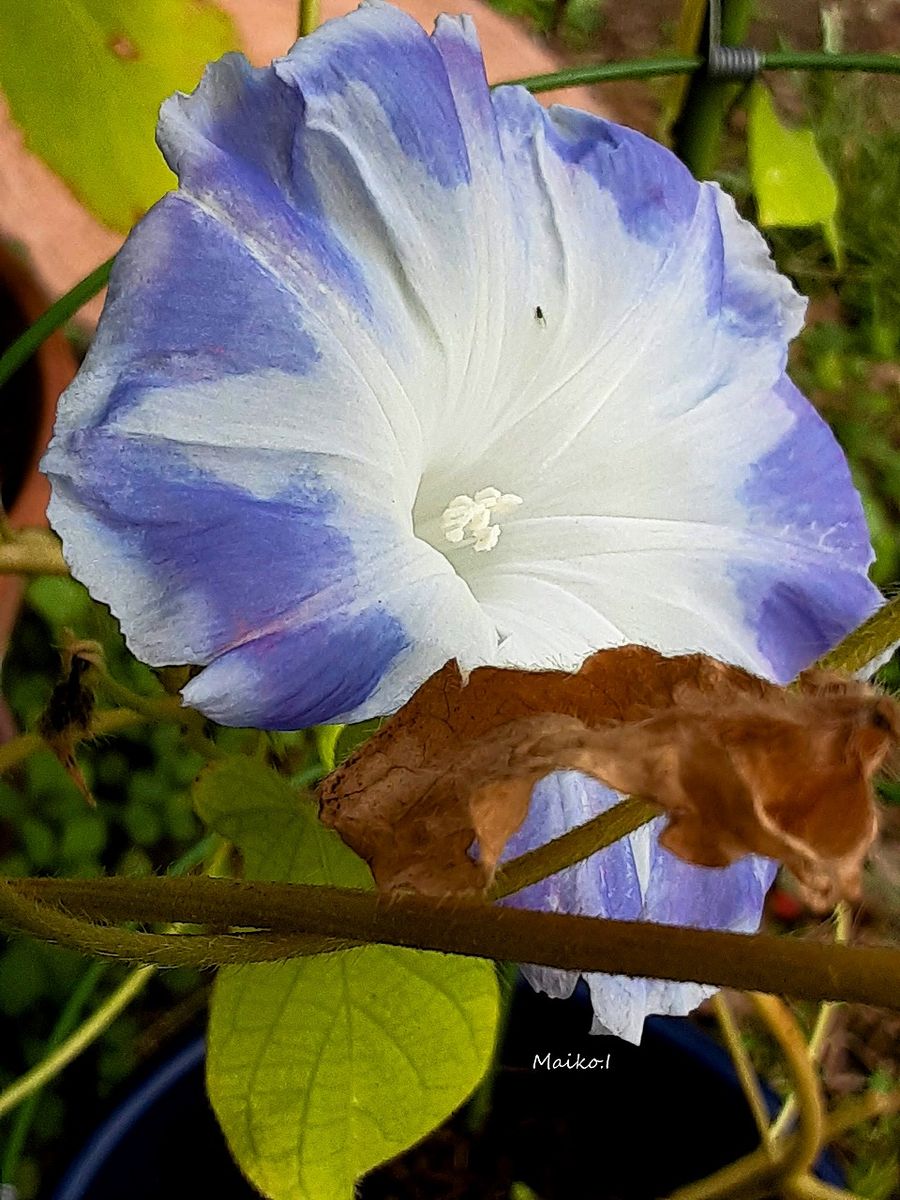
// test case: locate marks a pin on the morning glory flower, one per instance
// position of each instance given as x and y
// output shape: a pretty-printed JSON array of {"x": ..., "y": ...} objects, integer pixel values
[{"x": 407, "y": 370}]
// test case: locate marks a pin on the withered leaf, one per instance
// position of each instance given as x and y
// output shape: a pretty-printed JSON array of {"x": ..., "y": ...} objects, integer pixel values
[{"x": 740, "y": 766}]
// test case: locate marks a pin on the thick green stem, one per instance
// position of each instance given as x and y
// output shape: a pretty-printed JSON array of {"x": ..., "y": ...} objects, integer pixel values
[
  {"x": 806, "y": 970},
  {"x": 697, "y": 132},
  {"x": 20, "y": 911},
  {"x": 66, "y": 1041}
]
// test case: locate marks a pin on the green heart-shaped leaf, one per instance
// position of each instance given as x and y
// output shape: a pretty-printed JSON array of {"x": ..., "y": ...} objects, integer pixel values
[{"x": 321, "y": 1068}]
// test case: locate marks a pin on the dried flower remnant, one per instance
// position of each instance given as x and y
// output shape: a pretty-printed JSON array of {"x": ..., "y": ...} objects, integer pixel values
[
  {"x": 66, "y": 719},
  {"x": 741, "y": 766}
]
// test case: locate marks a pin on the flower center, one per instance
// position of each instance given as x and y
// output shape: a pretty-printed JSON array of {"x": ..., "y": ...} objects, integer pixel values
[{"x": 467, "y": 520}]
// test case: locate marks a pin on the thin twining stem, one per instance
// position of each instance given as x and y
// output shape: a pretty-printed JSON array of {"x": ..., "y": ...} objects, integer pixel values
[
  {"x": 876, "y": 636},
  {"x": 66, "y": 1025},
  {"x": 572, "y": 847},
  {"x": 88, "y": 1032},
  {"x": 746, "y": 1073},
  {"x": 755, "y": 1174},
  {"x": 19, "y": 352},
  {"x": 783, "y": 1026},
  {"x": 67, "y": 305},
  {"x": 820, "y": 1031},
  {"x": 688, "y": 64},
  {"x": 32, "y": 551},
  {"x": 110, "y": 721}
]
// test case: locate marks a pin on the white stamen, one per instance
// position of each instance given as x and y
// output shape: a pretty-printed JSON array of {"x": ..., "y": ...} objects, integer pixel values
[
  {"x": 472, "y": 516},
  {"x": 506, "y": 504},
  {"x": 487, "y": 496},
  {"x": 487, "y": 539}
]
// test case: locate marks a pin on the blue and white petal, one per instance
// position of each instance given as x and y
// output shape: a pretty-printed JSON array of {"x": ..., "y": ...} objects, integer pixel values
[
  {"x": 237, "y": 464},
  {"x": 226, "y": 482},
  {"x": 662, "y": 458},
  {"x": 286, "y": 568},
  {"x": 633, "y": 879}
]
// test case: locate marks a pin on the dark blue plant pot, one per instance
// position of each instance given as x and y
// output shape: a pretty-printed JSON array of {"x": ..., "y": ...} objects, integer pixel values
[{"x": 641, "y": 1122}]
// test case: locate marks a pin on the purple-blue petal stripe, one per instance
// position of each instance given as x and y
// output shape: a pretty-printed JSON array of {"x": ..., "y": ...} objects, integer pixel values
[
  {"x": 383, "y": 50},
  {"x": 745, "y": 295},
  {"x": 804, "y": 484},
  {"x": 291, "y": 628},
  {"x": 456, "y": 41},
  {"x": 802, "y": 602},
  {"x": 655, "y": 194},
  {"x": 800, "y": 610},
  {"x": 303, "y": 675},
  {"x": 239, "y": 144},
  {"x": 207, "y": 308},
  {"x": 607, "y": 885},
  {"x": 202, "y": 535},
  {"x": 680, "y": 893}
]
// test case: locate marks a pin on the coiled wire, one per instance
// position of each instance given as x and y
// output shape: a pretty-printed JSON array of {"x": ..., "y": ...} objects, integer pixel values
[{"x": 739, "y": 63}]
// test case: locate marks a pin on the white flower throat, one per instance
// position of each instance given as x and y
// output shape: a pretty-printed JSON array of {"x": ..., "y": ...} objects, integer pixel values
[{"x": 468, "y": 520}]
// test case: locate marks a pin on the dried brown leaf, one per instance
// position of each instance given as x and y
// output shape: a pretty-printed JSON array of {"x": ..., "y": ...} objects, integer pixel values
[{"x": 740, "y": 766}]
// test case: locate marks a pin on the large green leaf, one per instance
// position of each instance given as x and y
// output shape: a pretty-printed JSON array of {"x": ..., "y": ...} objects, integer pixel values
[
  {"x": 320, "y": 1068},
  {"x": 85, "y": 79},
  {"x": 792, "y": 184}
]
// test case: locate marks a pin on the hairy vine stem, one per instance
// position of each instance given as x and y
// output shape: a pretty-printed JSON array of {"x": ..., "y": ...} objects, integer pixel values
[{"x": 759, "y": 962}]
